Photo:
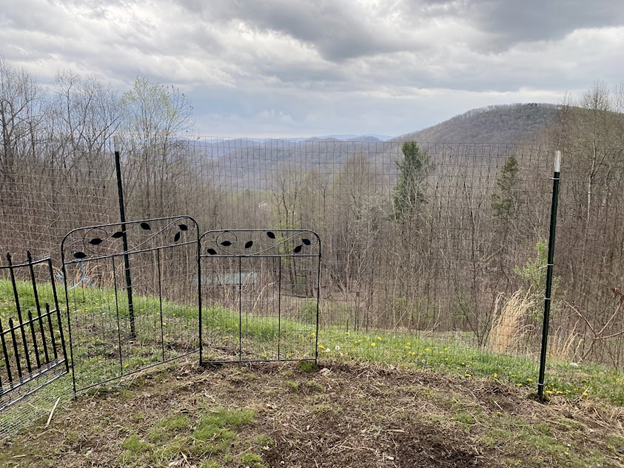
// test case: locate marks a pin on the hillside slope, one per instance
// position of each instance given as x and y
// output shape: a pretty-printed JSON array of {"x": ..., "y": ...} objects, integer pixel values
[
  {"x": 247, "y": 163},
  {"x": 505, "y": 124}
]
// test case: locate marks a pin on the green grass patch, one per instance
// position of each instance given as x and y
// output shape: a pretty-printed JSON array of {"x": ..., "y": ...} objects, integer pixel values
[
  {"x": 452, "y": 354},
  {"x": 206, "y": 437},
  {"x": 95, "y": 312},
  {"x": 253, "y": 460}
]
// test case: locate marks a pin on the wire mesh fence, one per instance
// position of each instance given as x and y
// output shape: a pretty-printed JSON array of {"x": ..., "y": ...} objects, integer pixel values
[
  {"x": 433, "y": 256},
  {"x": 441, "y": 267}
]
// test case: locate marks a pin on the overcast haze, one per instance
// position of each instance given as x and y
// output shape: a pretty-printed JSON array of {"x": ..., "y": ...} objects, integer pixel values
[{"x": 319, "y": 67}]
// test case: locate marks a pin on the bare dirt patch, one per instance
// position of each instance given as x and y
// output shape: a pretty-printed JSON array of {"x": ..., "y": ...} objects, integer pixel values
[{"x": 337, "y": 415}]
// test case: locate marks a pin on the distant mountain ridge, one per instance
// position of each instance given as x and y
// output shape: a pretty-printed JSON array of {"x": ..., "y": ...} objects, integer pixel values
[
  {"x": 247, "y": 162},
  {"x": 501, "y": 124}
]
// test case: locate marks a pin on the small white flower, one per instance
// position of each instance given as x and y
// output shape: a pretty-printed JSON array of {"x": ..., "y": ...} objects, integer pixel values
[
  {"x": 327, "y": 350},
  {"x": 337, "y": 348}
]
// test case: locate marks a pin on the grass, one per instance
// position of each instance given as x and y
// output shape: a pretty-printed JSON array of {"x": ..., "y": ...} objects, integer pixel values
[
  {"x": 507, "y": 324},
  {"x": 444, "y": 354},
  {"x": 206, "y": 435}
]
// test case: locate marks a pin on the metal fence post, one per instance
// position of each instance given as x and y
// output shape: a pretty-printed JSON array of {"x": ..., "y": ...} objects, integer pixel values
[
  {"x": 122, "y": 219},
  {"x": 549, "y": 274}
]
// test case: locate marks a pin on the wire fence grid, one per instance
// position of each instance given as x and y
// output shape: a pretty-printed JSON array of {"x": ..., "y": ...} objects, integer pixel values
[{"x": 461, "y": 267}]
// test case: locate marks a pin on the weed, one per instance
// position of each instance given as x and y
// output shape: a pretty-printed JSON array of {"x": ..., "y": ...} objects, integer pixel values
[
  {"x": 314, "y": 386},
  {"x": 307, "y": 366},
  {"x": 464, "y": 417},
  {"x": 252, "y": 460},
  {"x": 135, "y": 445},
  {"x": 264, "y": 442},
  {"x": 209, "y": 464},
  {"x": 212, "y": 432},
  {"x": 165, "y": 428},
  {"x": 292, "y": 385}
]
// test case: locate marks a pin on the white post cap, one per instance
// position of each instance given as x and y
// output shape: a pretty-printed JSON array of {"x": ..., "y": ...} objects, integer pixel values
[{"x": 557, "y": 161}]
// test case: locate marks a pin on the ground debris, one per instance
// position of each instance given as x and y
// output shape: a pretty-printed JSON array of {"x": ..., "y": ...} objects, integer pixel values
[{"x": 352, "y": 415}]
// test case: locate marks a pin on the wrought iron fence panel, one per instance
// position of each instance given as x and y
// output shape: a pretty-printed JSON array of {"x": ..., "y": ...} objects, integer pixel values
[
  {"x": 259, "y": 295},
  {"x": 32, "y": 343},
  {"x": 131, "y": 300}
]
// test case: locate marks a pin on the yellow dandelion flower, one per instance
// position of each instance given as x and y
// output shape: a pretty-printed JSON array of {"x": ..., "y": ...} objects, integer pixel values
[{"x": 373, "y": 344}]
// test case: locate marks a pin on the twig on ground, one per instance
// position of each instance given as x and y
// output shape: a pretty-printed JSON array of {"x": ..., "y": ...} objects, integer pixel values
[{"x": 52, "y": 412}]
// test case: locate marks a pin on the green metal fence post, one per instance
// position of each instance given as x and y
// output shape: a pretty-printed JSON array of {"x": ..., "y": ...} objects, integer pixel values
[
  {"x": 122, "y": 219},
  {"x": 549, "y": 274}
]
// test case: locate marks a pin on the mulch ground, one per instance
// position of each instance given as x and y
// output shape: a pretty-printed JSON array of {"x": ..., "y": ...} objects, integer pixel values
[{"x": 340, "y": 415}]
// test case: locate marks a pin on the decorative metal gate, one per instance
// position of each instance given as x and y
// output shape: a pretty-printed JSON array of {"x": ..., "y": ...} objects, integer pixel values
[
  {"x": 259, "y": 295},
  {"x": 32, "y": 344},
  {"x": 132, "y": 298}
]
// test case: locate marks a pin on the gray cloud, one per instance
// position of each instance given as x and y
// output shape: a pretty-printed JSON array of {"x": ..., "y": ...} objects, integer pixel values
[
  {"x": 304, "y": 66},
  {"x": 508, "y": 22},
  {"x": 339, "y": 30},
  {"x": 535, "y": 20}
]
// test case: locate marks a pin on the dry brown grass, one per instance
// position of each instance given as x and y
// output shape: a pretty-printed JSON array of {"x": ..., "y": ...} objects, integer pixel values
[
  {"x": 563, "y": 346},
  {"x": 508, "y": 325}
]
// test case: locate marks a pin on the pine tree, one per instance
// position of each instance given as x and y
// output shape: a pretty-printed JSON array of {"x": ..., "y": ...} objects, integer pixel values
[
  {"x": 505, "y": 201},
  {"x": 409, "y": 193}
]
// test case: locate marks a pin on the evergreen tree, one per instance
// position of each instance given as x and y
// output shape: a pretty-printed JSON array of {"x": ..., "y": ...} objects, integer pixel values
[
  {"x": 504, "y": 200},
  {"x": 409, "y": 192}
]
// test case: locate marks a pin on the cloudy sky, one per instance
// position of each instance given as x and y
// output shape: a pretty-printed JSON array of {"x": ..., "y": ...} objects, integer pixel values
[{"x": 320, "y": 67}]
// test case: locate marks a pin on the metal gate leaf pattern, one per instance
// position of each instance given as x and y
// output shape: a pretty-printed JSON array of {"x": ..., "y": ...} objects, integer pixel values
[
  {"x": 134, "y": 305},
  {"x": 259, "y": 295}
]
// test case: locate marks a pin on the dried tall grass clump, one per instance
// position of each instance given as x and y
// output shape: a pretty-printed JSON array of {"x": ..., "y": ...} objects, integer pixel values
[
  {"x": 563, "y": 346},
  {"x": 509, "y": 322}
]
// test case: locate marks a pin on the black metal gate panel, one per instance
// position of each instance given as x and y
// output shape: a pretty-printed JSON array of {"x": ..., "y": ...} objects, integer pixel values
[
  {"x": 32, "y": 343},
  {"x": 132, "y": 296},
  {"x": 259, "y": 295}
]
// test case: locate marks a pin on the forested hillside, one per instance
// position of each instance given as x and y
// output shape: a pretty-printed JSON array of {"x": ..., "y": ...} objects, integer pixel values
[
  {"x": 248, "y": 160},
  {"x": 503, "y": 124},
  {"x": 436, "y": 236}
]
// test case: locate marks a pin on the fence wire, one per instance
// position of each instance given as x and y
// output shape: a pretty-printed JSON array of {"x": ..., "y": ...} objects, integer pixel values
[{"x": 455, "y": 265}]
